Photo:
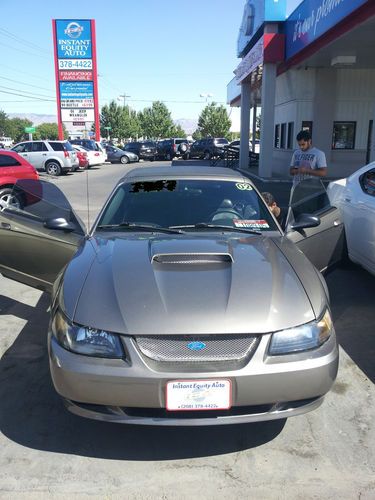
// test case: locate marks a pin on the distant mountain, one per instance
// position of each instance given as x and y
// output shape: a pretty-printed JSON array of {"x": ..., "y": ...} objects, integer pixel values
[
  {"x": 34, "y": 117},
  {"x": 187, "y": 124}
]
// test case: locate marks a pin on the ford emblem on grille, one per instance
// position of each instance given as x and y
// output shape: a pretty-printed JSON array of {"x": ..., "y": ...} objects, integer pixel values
[{"x": 196, "y": 346}]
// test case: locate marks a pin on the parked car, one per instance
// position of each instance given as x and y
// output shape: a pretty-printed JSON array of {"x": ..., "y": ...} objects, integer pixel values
[
  {"x": 83, "y": 160},
  {"x": 185, "y": 304},
  {"x": 167, "y": 149},
  {"x": 12, "y": 168},
  {"x": 117, "y": 155},
  {"x": 355, "y": 197},
  {"x": 86, "y": 143},
  {"x": 210, "y": 147},
  {"x": 54, "y": 157},
  {"x": 95, "y": 157},
  {"x": 145, "y": 150},
  {"x": 6, "y": 142}
]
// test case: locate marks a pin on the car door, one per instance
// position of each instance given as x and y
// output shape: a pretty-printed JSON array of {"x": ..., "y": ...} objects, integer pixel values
[
  {"x": 24, "y": 149},
  {"x": 358, "y": 207},
  {"x": 35, "y": 241},
  {"x": 38, "y": 154},
  {"x": 323, "y": 244}
]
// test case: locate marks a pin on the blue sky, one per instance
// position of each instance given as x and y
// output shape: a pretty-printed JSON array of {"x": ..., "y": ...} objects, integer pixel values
[{"x": 168, "y": 50}]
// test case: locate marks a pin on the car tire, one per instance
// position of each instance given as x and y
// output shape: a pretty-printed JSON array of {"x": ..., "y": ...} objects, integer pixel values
[
  {"x": 183, "y": 148},
  {"x": 53, "y": 168},
  {"x": 124, "y": 160},
  {"x": 168, "y": 157},
  {"x": 186, "y": 156},
  {"x": 9, "y": 199},
  {"x": 207, "y": 155}
]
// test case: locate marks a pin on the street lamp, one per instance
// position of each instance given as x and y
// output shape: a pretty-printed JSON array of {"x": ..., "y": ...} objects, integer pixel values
[{"x": 206, "y": 95}]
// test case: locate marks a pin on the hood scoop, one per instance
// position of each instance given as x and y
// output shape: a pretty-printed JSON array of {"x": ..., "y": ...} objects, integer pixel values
[{"x": 192, "y": 258}]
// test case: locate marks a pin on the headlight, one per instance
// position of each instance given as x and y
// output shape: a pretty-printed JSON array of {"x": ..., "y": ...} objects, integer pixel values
[
  {"x": 302, "y": 338},
  {"x": 85, "y": 340}
]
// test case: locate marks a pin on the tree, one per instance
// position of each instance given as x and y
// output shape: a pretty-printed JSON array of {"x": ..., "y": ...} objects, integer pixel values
[
  {"x": 178, "y": 131},
  {"x": 156, "y": 122},
  {"x": 3, "y": 122},
  {"x": 46, "y": 131},
  {"x": 123, "y": 121},
  {"x": 16, "y": 128},
  {"x": 214, "y": 121}
]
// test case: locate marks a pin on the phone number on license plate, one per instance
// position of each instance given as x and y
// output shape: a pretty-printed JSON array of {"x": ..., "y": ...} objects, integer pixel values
[{"x": 185, "y": 395}]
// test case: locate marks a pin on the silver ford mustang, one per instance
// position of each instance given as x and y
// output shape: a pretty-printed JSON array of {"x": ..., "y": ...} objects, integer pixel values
[{"x": 186, "y": 303}]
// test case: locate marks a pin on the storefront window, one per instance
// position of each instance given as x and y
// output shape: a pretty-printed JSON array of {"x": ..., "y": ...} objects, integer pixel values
[
  {"x": 343, "y": 135},
  {"x": 277, "y": 136},
  {"x": 306, "y": 125},
  {"x": 283, "y": 136},
  {"x": 290, "y": 135}
]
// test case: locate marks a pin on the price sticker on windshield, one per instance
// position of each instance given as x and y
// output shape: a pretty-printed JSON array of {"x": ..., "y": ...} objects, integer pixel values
[
  {"x": 251, "y": 224},
  {"x": 243, "y": 186}
]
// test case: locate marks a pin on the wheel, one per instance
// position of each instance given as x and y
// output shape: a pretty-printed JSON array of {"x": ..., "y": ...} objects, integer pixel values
[
  {"x": 207, "y": 155},
  {"x": 186, "y": 156},
  {"x": 169, "y": 156},
  {"x": 225, "y": 213},
  {"x": 9, "y": 199},
  {"x": 53, "y": 168},
  {"x": 124, "y": 160},
  {"x": 152, "y": 158}
]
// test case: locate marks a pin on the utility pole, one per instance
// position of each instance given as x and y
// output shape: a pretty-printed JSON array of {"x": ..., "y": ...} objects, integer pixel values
[{"x": 124, "y": 97}]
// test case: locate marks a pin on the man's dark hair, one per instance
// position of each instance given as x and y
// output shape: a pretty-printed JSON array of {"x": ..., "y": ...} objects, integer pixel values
[
  {"x": 268, "y": 198},
  {"x": 304, "y": 135}
]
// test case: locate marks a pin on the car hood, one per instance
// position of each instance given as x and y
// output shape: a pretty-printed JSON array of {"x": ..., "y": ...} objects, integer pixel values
[{"x": 184, "y": 285}]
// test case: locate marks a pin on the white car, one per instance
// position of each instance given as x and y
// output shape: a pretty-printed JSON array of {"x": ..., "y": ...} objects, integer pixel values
[
  {"x": 94, "y": 157},
  {"x": 355, "y": 197},
  {"x": 54, "y": 157}
]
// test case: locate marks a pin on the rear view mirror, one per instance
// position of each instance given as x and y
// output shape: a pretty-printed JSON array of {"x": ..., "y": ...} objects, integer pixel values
[
  {"x": 59, "y": 223},
  {"x": 304, "y": 221}
]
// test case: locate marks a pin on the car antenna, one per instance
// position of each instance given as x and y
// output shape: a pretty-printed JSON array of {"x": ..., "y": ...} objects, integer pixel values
[{"x": 88, "y": 198}]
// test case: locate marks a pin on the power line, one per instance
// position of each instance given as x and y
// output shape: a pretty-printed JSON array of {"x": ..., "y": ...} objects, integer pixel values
[
  {"x": 28, "y": 84},
  {"x": 29, "y": 97},
  {"x": 33, "y": 94},
  {"x": 24, "y": 51},
  {"x": 18, "y": 39}
]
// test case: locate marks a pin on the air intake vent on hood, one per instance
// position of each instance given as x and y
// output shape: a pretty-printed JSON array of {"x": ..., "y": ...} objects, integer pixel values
[{"x": 192, "y": 258}]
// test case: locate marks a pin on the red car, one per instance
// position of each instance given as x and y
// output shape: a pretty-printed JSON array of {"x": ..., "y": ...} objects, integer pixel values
[
  {"x": 13, "y": 167},
  {"x": 83, "y": 159}
]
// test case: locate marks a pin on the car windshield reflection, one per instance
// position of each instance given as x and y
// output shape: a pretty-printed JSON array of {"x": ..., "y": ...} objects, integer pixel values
[{"x": 188, "y": 203}]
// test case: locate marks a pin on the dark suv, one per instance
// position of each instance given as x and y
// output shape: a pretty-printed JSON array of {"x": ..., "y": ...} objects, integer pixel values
[
  {"x": 145, "y": 150},
  {"x": 210, "y": 147},
  {"x": 167, "y": 149}
]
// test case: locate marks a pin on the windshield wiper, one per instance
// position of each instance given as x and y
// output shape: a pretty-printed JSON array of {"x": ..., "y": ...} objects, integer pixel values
[
  {"x": 141, "y": 227},
  {"x": 205, "y": 225}
]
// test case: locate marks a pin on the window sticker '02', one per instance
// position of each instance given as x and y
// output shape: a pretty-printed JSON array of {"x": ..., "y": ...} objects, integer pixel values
[
  {"x": 244, "y": 186},
  {"x": 252, "y": 224}
]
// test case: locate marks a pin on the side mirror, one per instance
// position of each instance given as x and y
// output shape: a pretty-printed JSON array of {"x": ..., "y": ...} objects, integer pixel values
[
  {"x": 304, "y": 221},
  {"x": 59, "y": 223}
]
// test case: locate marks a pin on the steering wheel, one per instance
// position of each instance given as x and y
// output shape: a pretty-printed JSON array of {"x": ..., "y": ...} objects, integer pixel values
[{"x": 225, "y": 213}]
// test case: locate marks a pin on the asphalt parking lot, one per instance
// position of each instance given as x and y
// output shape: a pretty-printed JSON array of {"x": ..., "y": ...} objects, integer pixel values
[{"x": 47, "y": 452}]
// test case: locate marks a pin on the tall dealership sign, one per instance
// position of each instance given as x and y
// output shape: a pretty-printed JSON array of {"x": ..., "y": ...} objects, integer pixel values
[{"x": 76, "y": 76}]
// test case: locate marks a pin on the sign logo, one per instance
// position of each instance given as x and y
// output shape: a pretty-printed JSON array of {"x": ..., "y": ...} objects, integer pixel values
[
  {"x": 196, "y": 346},
  {"x": 73, "y": 30}
]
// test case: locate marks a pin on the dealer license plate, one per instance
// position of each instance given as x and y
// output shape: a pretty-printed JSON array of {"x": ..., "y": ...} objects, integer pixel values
[{"x": 193, "y": 395}]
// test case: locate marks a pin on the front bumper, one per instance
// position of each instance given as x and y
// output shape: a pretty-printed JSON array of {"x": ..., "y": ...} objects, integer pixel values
[{"x": 266, "y": 388}]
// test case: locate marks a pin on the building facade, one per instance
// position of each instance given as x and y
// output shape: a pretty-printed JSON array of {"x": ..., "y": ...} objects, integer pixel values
[{"x": 314, "y": 70}]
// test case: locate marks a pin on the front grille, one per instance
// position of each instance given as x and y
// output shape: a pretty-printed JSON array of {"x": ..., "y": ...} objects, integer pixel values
[{"x": 174, "y": 348}]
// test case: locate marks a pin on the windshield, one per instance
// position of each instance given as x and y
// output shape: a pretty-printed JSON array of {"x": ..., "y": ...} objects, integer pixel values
[{"x": 187, "y": 202}]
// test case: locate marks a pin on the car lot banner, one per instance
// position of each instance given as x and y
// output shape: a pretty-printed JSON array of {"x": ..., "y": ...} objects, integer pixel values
[{"x": 76, "y": 76}]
